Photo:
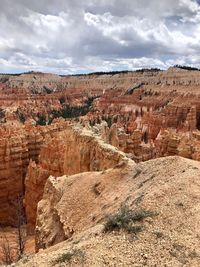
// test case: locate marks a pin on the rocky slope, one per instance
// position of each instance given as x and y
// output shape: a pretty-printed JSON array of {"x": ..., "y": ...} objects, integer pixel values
[{"x": 169, "y": 187}]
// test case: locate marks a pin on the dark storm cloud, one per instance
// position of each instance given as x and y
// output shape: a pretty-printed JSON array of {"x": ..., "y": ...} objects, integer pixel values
[{"x": 72, "y": 36}]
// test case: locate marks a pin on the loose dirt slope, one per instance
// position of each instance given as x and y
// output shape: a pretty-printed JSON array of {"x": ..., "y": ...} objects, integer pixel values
[{"x": 170, "y": 187}]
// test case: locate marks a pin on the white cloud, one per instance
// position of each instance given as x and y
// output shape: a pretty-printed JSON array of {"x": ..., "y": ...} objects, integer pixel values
[
  {"x": 6, "y": 43},
  {"x": 65, "y": 35},
  {"x": 47, "y": 22}
]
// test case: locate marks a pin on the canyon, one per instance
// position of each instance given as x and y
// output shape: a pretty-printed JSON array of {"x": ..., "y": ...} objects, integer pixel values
[{"x": 77, "y": 147}]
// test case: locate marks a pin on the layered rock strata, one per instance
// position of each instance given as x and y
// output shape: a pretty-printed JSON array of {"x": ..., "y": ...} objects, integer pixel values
[{"x": 18, "y": 145}]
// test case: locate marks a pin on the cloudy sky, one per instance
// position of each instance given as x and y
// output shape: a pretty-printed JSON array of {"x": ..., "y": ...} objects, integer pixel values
[{"x": 75, "y": 36}]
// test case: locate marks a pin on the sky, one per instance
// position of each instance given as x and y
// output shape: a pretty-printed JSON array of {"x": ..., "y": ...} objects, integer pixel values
[{"x": 74, "y": 36}]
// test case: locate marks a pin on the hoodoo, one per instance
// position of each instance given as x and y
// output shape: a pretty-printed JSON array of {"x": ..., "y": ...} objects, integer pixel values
[{"x": 86, "y": 151}]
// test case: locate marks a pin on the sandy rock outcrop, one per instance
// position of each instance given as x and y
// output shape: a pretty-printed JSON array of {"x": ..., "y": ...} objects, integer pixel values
[{"x": 170, "y": 238}]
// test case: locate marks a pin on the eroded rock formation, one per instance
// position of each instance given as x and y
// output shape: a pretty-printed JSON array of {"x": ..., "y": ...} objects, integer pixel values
[
  {"x": 82, "y": 168},
  {"x": 74, "y": 150},
  {"x": 145, "y": 114},
  {"x": 18, "y": 145}
]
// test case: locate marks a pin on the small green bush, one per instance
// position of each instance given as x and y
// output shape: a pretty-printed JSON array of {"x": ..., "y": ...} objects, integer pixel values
[
  {"x": 41, "y": 120},
  {"x": 125, "y": 219},
  {"x": 67, "y": 256}
]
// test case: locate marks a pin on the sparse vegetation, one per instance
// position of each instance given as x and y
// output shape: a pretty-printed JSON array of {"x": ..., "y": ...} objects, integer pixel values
[
  {"x": 126, "y": 219},
  {"x": 130, "y": 91},
  {"x": 10, "y": 252},
  {"x": 68, "y": 111},
  {"x": 2, "y": 113},
  {"x": 20, "y": 115},
  {"x": 62, "y": 100},
  {"x": 47, "y": 89},
  {"x": 7, "y": 250},
  {"x": 186, "y": 67},
  {"x": 148, "y": 69},
  {"x": 21, "y": 233},
  {"x": 67, "y": 256},
  {"x": 98, "y": 73},
  {"x": 41, "y": 120},
  {"x": 158, "y": 234},
  {"x": 64, "y": 257}
]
